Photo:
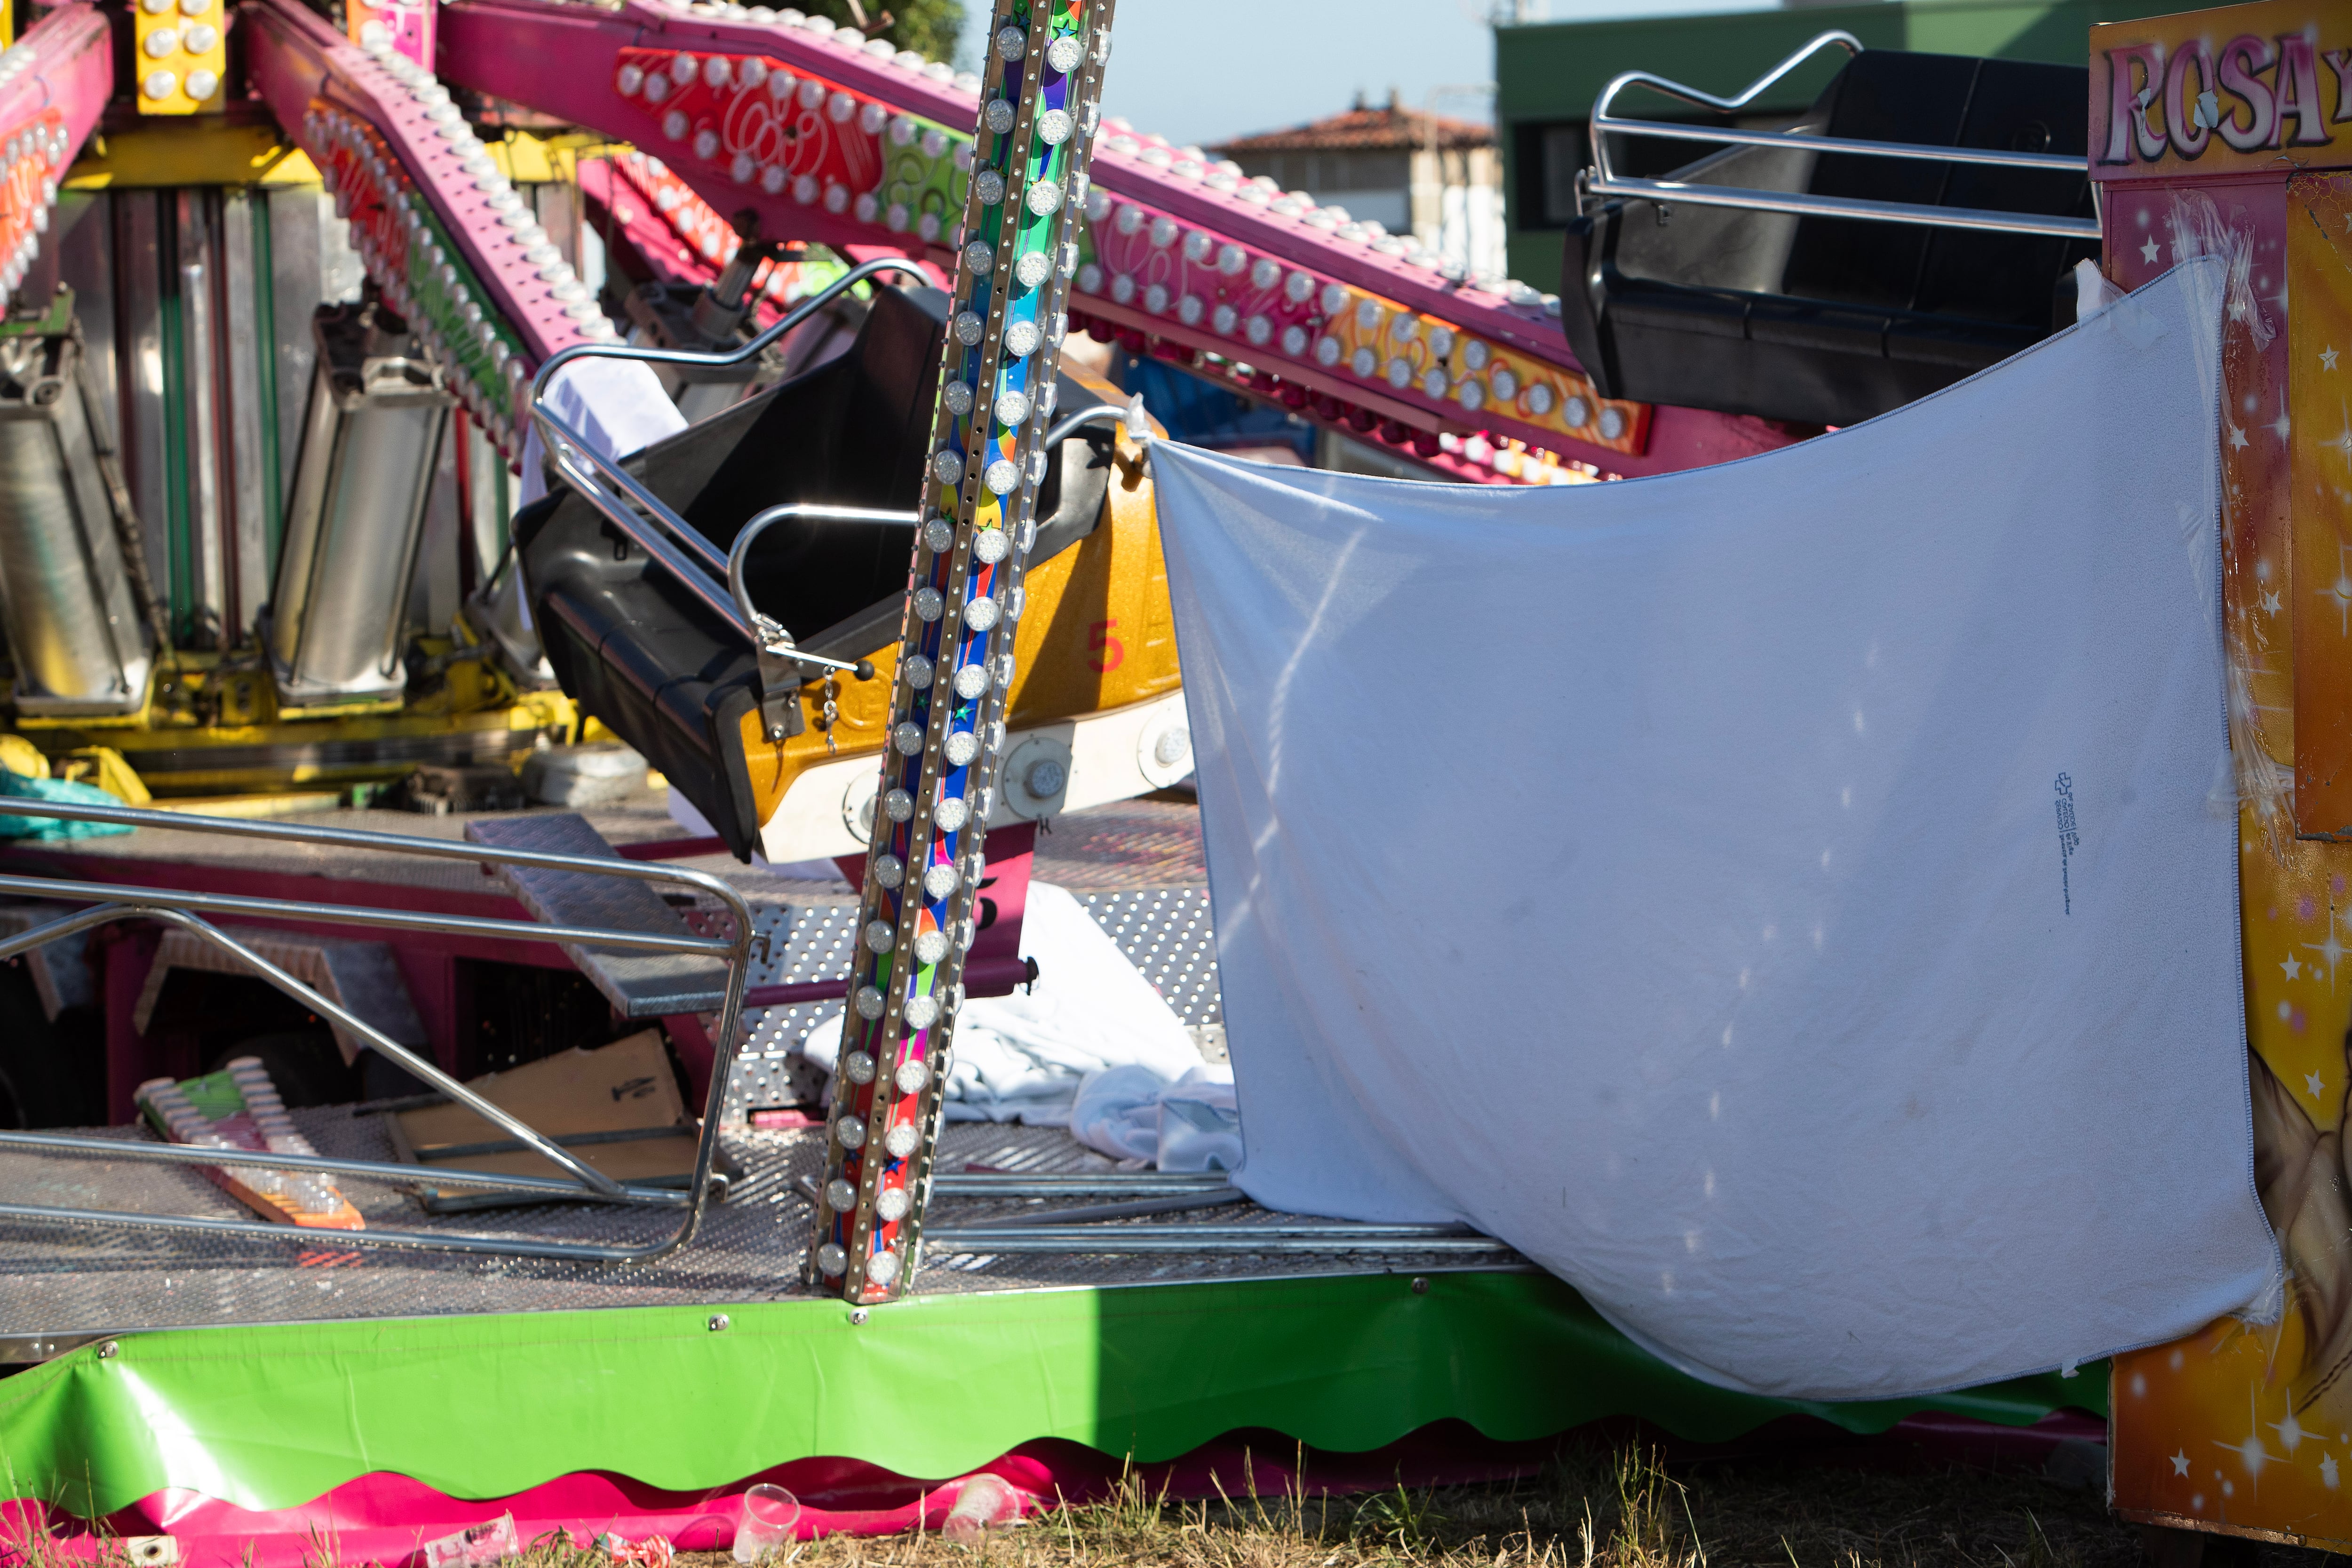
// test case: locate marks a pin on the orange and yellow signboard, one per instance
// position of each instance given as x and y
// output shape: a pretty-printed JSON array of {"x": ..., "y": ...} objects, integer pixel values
[
  {"x": 2266, "y": 87},
  {"x": 2221, "y": 130}
]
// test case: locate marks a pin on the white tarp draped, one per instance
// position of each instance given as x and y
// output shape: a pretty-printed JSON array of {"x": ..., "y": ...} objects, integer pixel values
[{"x": 1782, "y": 899}]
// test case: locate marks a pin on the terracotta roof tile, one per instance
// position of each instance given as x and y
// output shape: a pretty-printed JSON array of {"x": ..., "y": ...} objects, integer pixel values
[{"x": 1365, "y": 127}]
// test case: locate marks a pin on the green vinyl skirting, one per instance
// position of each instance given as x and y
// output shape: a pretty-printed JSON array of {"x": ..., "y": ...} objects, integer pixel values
[{"x": 272, "y": 1416}]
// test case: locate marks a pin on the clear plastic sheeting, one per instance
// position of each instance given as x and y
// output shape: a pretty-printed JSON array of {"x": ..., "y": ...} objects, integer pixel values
[{"x": 1781, "y": 899}]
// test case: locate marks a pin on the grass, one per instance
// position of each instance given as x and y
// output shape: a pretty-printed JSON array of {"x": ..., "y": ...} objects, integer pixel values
[{"x": 1623, "y": 1507}]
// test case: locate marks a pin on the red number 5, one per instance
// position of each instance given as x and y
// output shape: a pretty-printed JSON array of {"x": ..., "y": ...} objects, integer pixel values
[{"x": 1106, "y": 650}]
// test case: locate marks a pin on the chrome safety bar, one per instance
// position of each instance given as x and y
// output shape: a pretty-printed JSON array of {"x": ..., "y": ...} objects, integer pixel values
[
  {"x": 641, "y": 516},
  {"x": 110, "y": 902},
  {"x": 769, "y": 636},
  {"x": 1603, "y": 180}
]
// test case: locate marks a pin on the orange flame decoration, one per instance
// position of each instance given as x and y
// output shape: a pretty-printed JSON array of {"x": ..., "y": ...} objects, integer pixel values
[{"x": 30, "y": 187}]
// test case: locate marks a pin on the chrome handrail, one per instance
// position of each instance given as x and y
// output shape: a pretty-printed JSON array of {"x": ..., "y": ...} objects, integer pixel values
[
  {"x": 1603, "y": 180},
  {"x": 700, "y": 567},
  {"x": 113, "y": 902},
  {"x": 767, "y": 634}
]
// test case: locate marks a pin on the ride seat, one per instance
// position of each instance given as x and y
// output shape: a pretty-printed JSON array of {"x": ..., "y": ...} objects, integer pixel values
[
  {"x": 1834, "y": 321},
  {"x": 674, "y": 679}
]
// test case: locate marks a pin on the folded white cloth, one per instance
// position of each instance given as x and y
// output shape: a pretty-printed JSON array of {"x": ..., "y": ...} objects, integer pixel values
[
  {"x": 1189, "y": 1123},
  {"x": 1021, "y": 1057}
]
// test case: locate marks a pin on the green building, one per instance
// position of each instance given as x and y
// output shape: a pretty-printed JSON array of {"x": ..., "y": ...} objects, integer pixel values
[{"x": 1548, "y": 74}]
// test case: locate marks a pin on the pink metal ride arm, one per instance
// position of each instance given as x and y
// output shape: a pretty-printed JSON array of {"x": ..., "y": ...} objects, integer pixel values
[
  {"x": 54, "y": 84},
  {"x": 451, "y": 244},
  {"x": 849, "y": 143}
]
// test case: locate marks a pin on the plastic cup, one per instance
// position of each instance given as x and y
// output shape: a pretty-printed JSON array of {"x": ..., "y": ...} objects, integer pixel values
[
  {"x": 768, "y": 1515},
  {"x": 984, "y": 1501}
]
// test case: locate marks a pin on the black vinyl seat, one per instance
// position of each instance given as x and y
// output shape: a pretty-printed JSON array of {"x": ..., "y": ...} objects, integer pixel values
[
  {"x": 675, "y": 679},
  {"x": 1834, "y": 321}
]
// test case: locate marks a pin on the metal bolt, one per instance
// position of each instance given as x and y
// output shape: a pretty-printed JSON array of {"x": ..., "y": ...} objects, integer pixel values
[
  {"x": 106, "y": 1352},
  {"x": 718, "y": 1323},
  {"x": 1420, "y": 1286},
  {"x": 858, "y": 1318}
]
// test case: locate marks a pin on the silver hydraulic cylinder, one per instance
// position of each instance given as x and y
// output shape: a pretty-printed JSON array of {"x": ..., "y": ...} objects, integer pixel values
[
  {"x": 338, "y": 623},
  {"x": 79, "y": 643}
]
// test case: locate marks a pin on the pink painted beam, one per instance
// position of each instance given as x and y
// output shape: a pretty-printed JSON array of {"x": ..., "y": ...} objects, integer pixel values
[
  {"x": 827, "y": 137},
  {"x": 450, "y": 242},
  {"x": 54, "y": 84}
]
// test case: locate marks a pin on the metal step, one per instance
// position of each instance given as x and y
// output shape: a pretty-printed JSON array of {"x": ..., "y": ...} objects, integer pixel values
[{"x": 638, "y": 985}]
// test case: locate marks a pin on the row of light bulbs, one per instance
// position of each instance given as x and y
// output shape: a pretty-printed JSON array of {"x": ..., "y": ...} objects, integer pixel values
[
  {"x": 471, "y": 330},
  {"x": 975, "y": 674},
  {"x": 792, "y": 93},
  {"x": 34, "y": 157},
  {"x": 1475, "y": 377},
  {"x": 1192, "y": 163}
]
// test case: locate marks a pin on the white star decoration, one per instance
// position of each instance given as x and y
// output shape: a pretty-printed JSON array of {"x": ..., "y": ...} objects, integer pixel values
[
  {"x": 2332, "y": 950},
  {"x": 2311, "y": 1081},
  {"x": 2290, "y": 966},
  {"x": 2148, "y": 253},
  {"x": 2341, "y": 594},
  {"x": 2327, "y": 1470},
  {"x": 2342, "y": 444},
  {"x": 2328, "y": 359},
  {"x": 2237, "y": 436},
  {"x": 2181, "y": 1463},
  {"x": 2270, "y": 603}
]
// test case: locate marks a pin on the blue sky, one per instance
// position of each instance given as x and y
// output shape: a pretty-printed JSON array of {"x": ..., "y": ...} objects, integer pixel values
[{"x": 1197, "y": 70}]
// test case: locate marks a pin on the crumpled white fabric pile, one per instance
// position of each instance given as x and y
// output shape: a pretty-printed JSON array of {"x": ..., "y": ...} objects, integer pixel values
[
  {"x": 1189, "y": 1123},
  {"x": 1023, "y": 1058}
]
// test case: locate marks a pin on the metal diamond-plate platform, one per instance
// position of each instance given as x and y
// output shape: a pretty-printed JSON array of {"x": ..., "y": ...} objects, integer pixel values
[
  {"x": 64, "y": 1284},
  {"x": 790, "y": 946},
  {"x": 1166, "y": 933},
  {"x": 1152, "y": 843}
]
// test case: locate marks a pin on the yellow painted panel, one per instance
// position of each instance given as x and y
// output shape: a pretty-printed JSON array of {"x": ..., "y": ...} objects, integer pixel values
[{"x": 210, "y": 154}]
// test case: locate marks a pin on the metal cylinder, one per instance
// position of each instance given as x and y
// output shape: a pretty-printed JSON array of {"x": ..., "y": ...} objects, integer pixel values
[
  {"x": 371, "y": 442},
  {"x": 65, "y": 598}
]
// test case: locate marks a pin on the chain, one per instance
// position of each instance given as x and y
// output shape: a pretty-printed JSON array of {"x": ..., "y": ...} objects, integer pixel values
[{"x": 832, "y": 713}]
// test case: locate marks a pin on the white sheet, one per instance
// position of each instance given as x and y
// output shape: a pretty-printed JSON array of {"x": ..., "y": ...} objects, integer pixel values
[{"x": 1668, "y": 877}]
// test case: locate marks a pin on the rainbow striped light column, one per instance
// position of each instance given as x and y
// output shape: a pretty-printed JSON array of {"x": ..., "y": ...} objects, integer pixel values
[{"x": 1017, "y": 252}]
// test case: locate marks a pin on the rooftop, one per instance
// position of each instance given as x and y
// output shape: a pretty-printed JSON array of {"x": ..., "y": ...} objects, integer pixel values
[{"x": 1366, "y": 127}]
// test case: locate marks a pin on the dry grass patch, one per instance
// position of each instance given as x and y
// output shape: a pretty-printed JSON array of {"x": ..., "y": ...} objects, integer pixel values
[{"x": 1602, "y": 1510}]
